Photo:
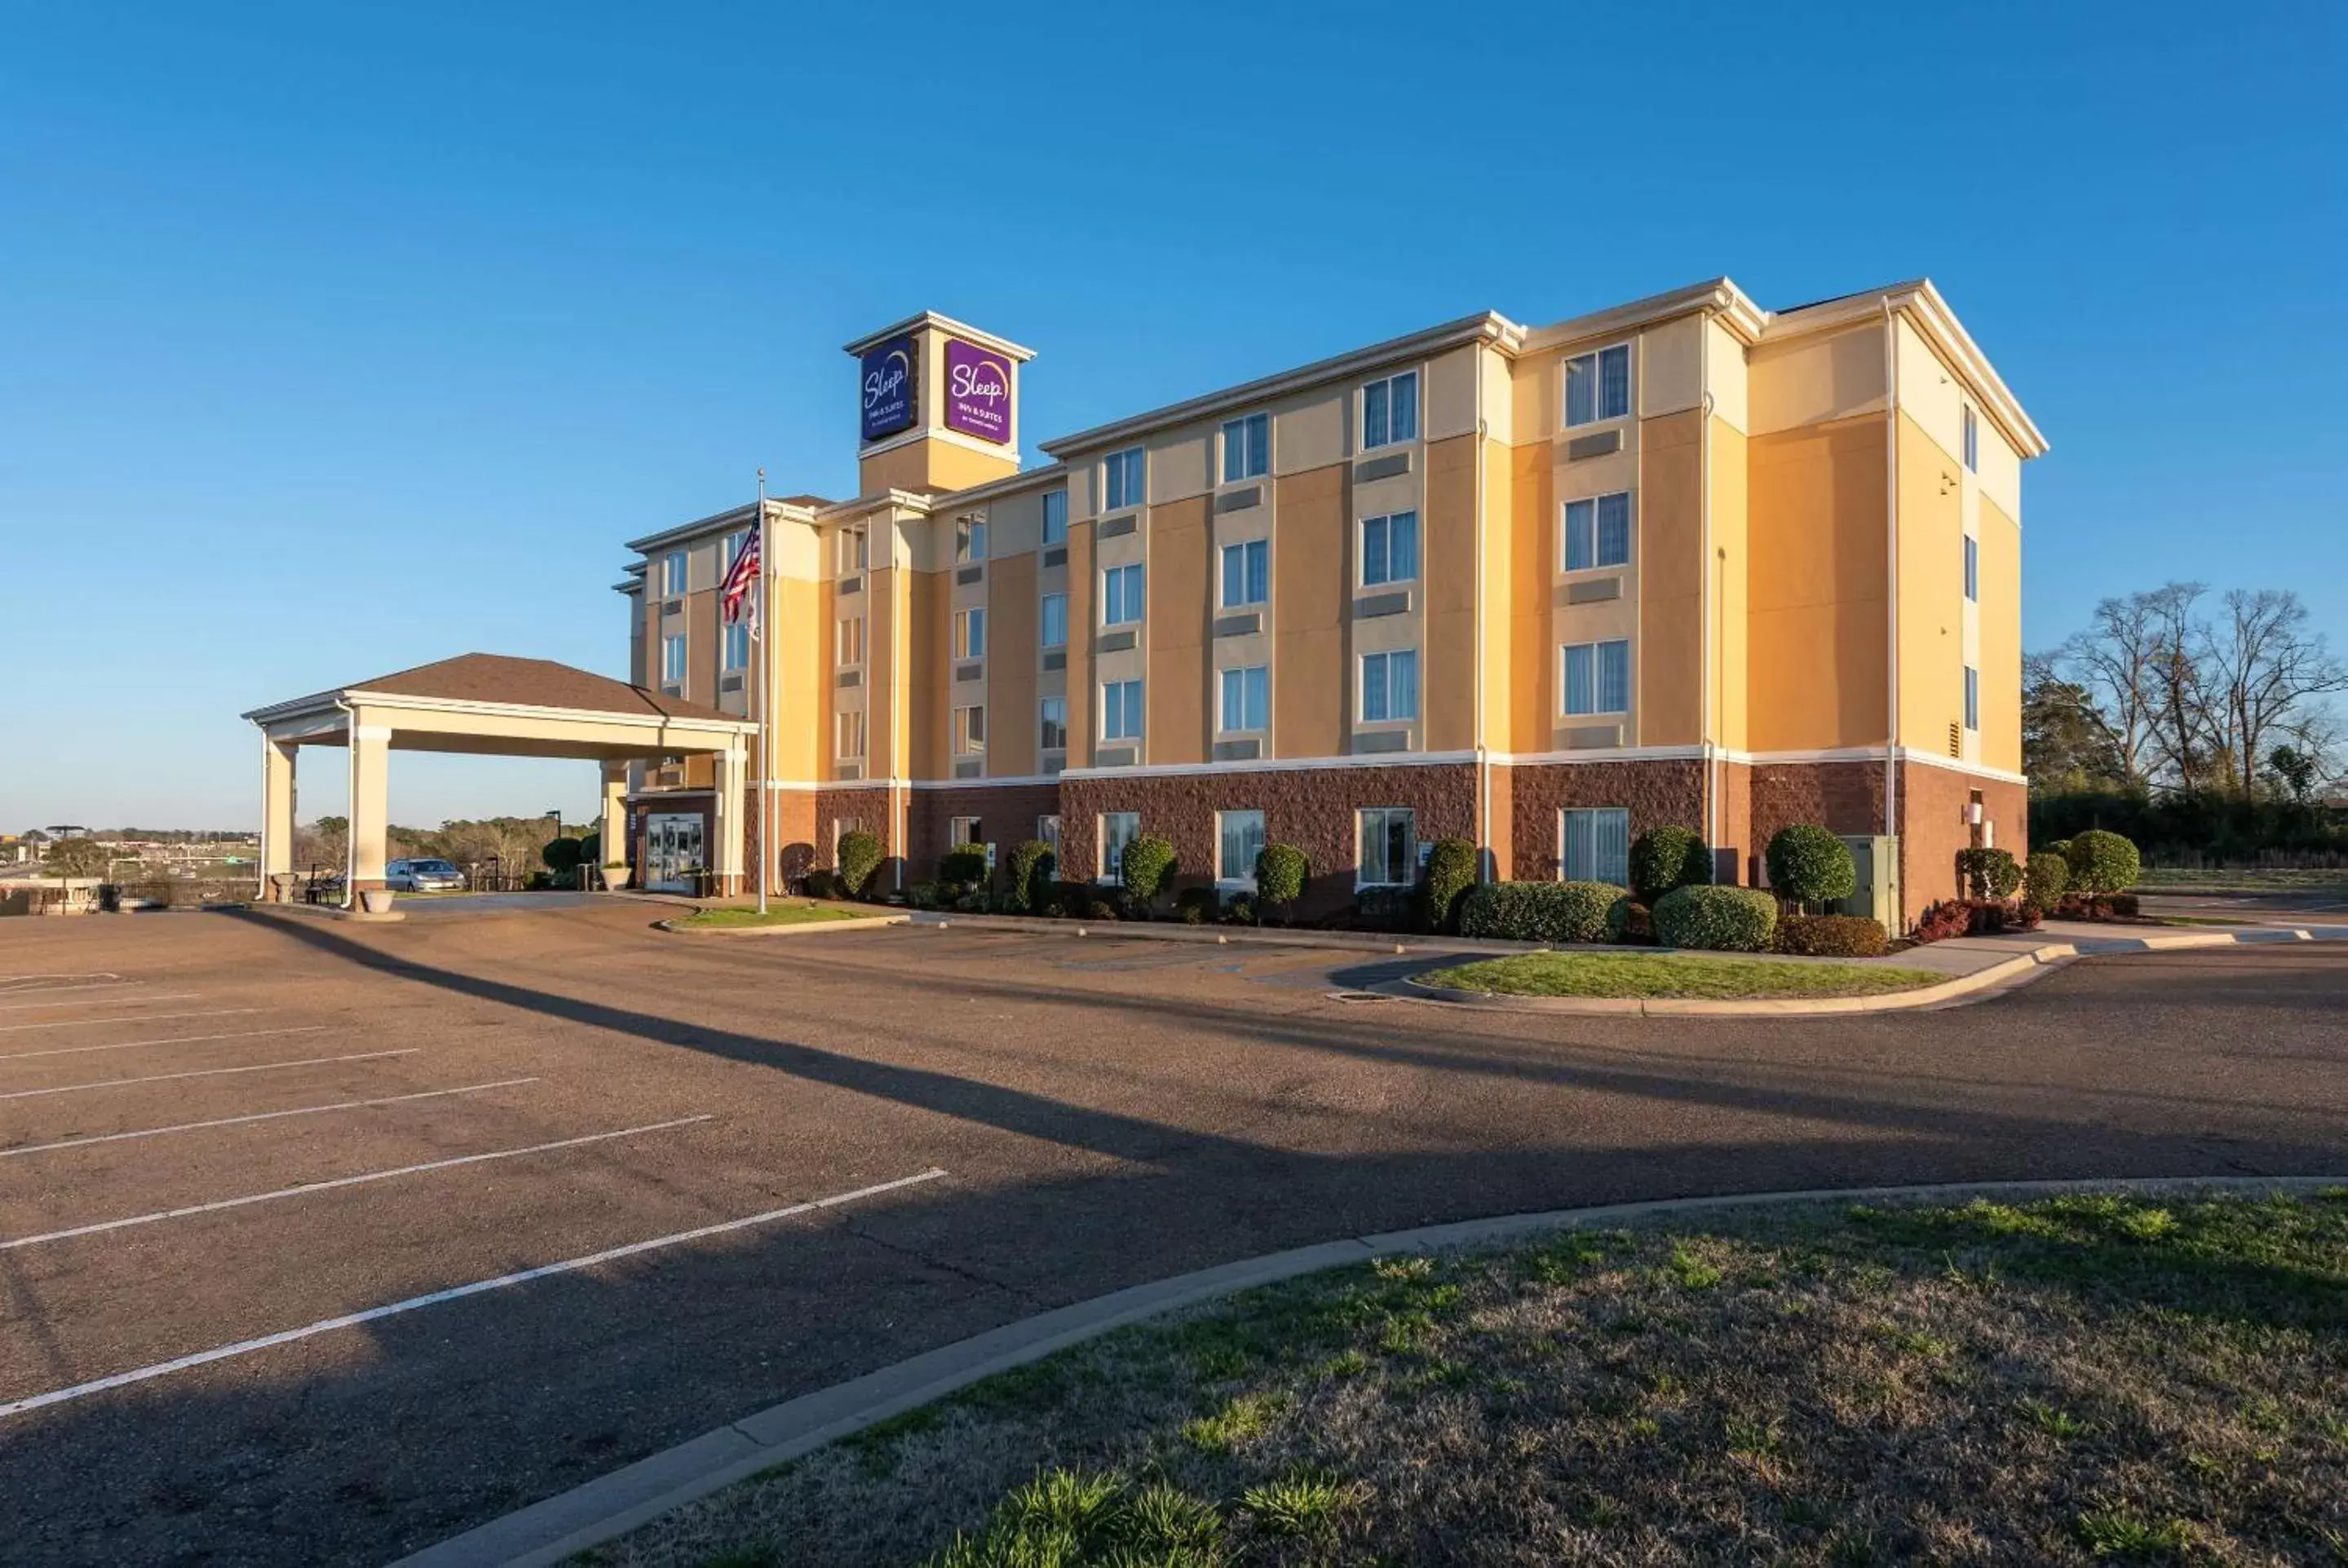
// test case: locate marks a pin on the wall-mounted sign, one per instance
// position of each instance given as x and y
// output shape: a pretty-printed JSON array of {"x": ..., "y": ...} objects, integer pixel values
[
  {"x": 886, "y": 381},
  {"x": 978, "y": 392}
]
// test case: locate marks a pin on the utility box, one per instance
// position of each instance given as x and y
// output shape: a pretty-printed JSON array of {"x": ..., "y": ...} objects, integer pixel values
[{"x": 1876, "y": 896}]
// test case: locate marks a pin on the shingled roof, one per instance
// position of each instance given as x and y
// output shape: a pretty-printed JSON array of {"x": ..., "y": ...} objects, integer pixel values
[{"x": 532, "y": 683}]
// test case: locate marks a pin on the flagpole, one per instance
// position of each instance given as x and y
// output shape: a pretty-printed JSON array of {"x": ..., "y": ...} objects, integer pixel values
[{"x": 759, "y": 629}]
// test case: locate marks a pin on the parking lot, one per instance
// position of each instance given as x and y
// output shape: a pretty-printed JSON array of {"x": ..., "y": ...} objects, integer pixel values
[{"x": 319, "y": 1243}]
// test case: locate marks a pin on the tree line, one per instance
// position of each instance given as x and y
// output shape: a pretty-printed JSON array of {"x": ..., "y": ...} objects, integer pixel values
[{"x": 2203, "y": 722}]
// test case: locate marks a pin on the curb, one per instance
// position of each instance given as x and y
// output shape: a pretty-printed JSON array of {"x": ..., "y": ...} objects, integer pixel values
[
  {"x": 800, "y": 929},
  {"x": 551, "y": 1530},
  {"x": 1385, "y": 943}
]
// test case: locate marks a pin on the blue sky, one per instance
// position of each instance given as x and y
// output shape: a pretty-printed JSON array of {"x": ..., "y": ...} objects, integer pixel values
[{"x": 339, "y": 339}]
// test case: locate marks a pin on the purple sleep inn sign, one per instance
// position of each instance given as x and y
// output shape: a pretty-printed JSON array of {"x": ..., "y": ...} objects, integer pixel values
[
  {"x": 978, "y": 392},
  {"x": 885, "y": 380}
]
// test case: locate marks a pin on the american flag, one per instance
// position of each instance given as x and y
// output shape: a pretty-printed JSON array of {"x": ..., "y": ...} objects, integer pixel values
[{"x": 740, "y": 587}]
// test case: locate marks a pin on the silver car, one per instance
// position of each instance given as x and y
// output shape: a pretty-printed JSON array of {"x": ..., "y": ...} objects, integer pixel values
[{"x": 423, "y": 876}]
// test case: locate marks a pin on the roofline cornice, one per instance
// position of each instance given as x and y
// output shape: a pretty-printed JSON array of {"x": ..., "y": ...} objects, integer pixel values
[
  {"x": 1720, "y": 297},
  {"x": 946, "y": 324},
  {"x": 1488, "y": 326}
]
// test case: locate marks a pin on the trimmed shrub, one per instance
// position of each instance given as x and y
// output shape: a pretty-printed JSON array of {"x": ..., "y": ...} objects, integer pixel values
[
  {"x": 1538, "y": 911},
  {"x": 1032, "y": 867},
  {"x": 1097, "y": 909},
  {"x": 1809, "y": 866},
  {"x": 1988, "y": 873},
  {"x": 860, "y": 856},
  {"x": 2095, "y": 906},
  {"x": 560, "y": 854},
  {"x": 1716, "y": 920},
  {"x": 1240, "y": 911},
  {"x": 2102, "y": 862},
  {"x": 820, "y": 884},
  {"x": 2060, "y": 846},
  {"x": 1385, "y": 910},
  {"x": 1663, "y": 858},
  {"x": 1281, "y": 872},
  {"x": 1450, "y": 873},
  {"x": 1196, "y": 905},
  {"x": 964, "y": 866},
  {"x": 2045, "y": 880},
  {"x": 1939, "y": 922},
  {"x": 1147, "y": 867},
  {"x": 1628, "y": 920},
  {"x": 924, "y": 895},
  {"x": 1833, "y": 937}
]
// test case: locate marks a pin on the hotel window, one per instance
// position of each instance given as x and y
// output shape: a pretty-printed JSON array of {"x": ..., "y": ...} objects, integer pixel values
[
  {"x": 970, "y": 634},
  {"x": 1389, "y": 548},
  {"x": 1972, "y": 568},
  {"x": 1390, "y": 685},
  {"x": 961, "y": 830},
  {"x": 1047, "y": 829},
  {"x": 1052, "y": 723},
  {"x": 1597, "y": 677},
  {"x": 673, "y": 659},
  {"x": 848, "y": 734},
  {"x": 1054, "y": 617},
  {"x": 1972, "y": 698},
  {"x": 1247, "y": 698},
  {"x": 850, "y": 545},
  {"x": 1247, "y": 448},
  {"x": 734, "y": 542},
  {"x": 969, "y": 539},
  {"x": 1598, "y": 531},
  {"x": 1389, "y": 847},
  {"x": 1247, "y": 573},
  {"x": 1056, "y": 516},
  {"x": 1972, "y": 439},
  {"x": 1598, "y": 385},
  {"x": 673, "y": 573},
  {"x": 1390, "y": 410},
  {"x": 1239, "y": 839},
  {"x": 1595, "y": 846},
  {"x": 1121, "y": 595},
  {"x": 737, "y": 646},
  {"x": 1117, "y": 829},
  {"x": 1120, "y": 709},
  {"x": 969, "y": 731},
  {"x": 1121, "y": 480},
  {"x": 848, "y": 640}
]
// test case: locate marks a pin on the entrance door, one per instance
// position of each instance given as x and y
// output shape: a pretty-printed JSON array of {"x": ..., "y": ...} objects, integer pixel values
[{"x": 672, "y": 849}]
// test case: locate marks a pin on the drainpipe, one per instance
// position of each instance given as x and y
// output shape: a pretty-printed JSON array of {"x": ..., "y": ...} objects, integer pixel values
[
  {"x": 1704, "y": 605},
  {"x": 350, "y": 805},
  {"x": 1487, "y": 868},
  {"x": 1891, "y": 557}
]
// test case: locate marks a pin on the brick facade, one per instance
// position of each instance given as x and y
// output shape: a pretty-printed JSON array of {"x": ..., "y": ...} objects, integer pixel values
[
  {"x": 1933, "y": 827},
  {"x": 1006, "y": 815},
  {"x": 1656, "y": 794}
]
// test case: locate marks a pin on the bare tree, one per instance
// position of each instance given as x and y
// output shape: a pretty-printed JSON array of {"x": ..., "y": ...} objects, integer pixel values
[
  {"x": 2263, "y": 665},
  {"x": 2185, "y": 741},
  {"x": 2118, "y": 659}
]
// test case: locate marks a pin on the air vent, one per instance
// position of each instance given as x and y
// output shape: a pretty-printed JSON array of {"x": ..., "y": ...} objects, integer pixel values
[
  {"x": 969, "y": 768},
  {"x": 1384, "y": 467},
  {"x": 1956, "y": 741},
  {"x": 1057, "y": 556},
  {"x": 851, "y": 585},
  {"x": 1057, "y": 659},
  {"x": 971, "y": 574},
  {"x": 1597, "y": 445},
  {"x": 849, "y": 678},
  {"x": 969, "y": 672},
  {"x": 1116, "y": 526},
  {"x": 1240, "y": 500}
]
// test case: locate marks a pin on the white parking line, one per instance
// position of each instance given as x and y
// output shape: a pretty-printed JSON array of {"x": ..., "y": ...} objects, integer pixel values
[
  {"x": 204, "y": 1072},
  {"x": 8, "y": 982},
  {"x": 357, "y": 1181},
  {"x": 174, "y": 1039},
  {"x": 257, "y": 1116},
  {"x": 457, "y": 1293},
  {"x": 101, "y": 1002},
  {"x": 134, "y": 1018}
]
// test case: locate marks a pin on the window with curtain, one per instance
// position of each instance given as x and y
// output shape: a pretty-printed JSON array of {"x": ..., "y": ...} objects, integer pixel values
[
  {"x": 737, "y": 646},
  {"x": 969, "y": 731},
  {"x": 1390, "y": 410},
  {"x": 1389, "y": 548},
  {"x": 1247, "y": 573},
  {"x": 848, "y": 640},
  {"x": 1598, "y": 531},
  {"x": 1052, "y": 723},
  {"x": 1247, "y": 698},
  {"x": 961, "y": 830},
  {"x": 1972, "y": 568},
  {"x": 1054, "y": 617},
  {"x": 1048, "y": 830},
  {"x": 1122, "y": 711},
  {"x": 1390, "y": 685},
  {"x": 847, "y": 735},
  {"x": 970, "y": 633},
  {"x": 1595, "y": 846},
  {"x": 1971, "y": 439},
  {"x": 851, "y": 546},
  {"x": 1056, "y": 516},
  {"x": 673, "y": 659},
  {"x": 1972, "y": 698},
  {"x": 1121, "y": 595},
  {"x": 673, "y": 573},
  {"x": 969, "y": 539},
  {"x": 1598, "y": 385},
  {"x": 1247, "y": 448},
  {"x": 1388, "y": 847},
  {"x": 735, "y": 544},
  {"x": 1117, "y": 829},
  {"x": 1239, "y": 840},
  {"x": 1597, "y": 677},
  {"x": 1121, "y": 479}
]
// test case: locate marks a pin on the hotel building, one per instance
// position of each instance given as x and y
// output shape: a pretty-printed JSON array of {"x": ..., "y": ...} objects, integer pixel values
[{"x": 1683, "y": 560}]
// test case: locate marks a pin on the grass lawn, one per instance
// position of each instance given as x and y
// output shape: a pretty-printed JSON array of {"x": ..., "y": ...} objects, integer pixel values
[
  {"x": 2077, "y": 1379},
  {"x": 777, "y": 914},
  {"x": 1673, "y": 975}
]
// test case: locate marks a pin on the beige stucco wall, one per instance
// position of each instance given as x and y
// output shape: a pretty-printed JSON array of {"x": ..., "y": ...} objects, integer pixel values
[{"x": 1818, "y": 631}]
